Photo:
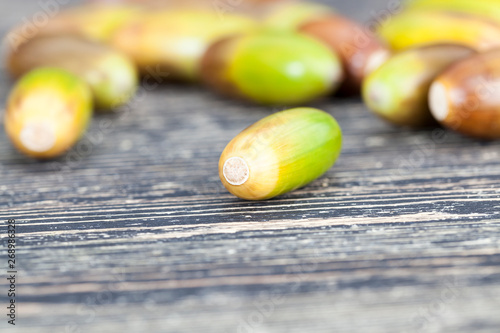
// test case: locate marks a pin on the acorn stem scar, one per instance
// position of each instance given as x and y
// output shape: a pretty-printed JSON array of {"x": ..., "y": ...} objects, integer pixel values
[{"x": 236, "y": 171}]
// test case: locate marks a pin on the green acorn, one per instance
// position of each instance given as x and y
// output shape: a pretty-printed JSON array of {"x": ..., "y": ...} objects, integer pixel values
[
  {"x": 272, "y": 67},
  {"x": 280, "y": 153}
]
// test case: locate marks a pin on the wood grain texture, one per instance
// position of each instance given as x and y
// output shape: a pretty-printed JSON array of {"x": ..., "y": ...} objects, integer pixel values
[{"x": 132, "y": 231}]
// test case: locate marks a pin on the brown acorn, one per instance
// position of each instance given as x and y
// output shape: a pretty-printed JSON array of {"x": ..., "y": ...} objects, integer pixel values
[{"x": 466, "y": 97}]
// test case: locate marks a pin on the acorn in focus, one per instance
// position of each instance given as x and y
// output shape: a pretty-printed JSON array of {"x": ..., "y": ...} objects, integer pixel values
[
  {"x": 280, "y": 153},
  {"x": 465, "y": 97},
  {"x": 47, "y": 112},
  {"x": 112, "y": 76},
  {"x": 272, "y": 67},
  {"x": 398, "y": 90}
]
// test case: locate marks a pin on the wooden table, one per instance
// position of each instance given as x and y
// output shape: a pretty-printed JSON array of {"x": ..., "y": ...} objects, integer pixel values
[{"x": 133, "y": 232}]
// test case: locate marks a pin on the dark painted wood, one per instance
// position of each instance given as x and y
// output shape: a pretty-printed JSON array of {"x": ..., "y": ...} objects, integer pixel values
[{"x": 133, "y": 232}]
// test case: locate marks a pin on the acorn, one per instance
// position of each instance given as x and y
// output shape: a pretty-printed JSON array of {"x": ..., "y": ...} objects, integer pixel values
[
  {"x": 111, "y": 75},
  {"x": 272, "y": 67},
  {"x": 47, "y": 112},
  {"x": 422, "y": 27},
  {"x": 170, "y": 43},
  {"x": 96, "y": 22},
  {"x": 398, "y": 90},
  {"x": 465, "y": 97},
  {"x": 360, "y": 51},
  {"x": 280, "y": 153},
  {"x": 489, "y": 9}
]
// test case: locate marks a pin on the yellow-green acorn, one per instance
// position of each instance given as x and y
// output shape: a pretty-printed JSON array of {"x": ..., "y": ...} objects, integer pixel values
[
  {"x": 489, "y": 9},
  {"x": 111, "y": 75},
  {"x": 280, "y": 153},
  {"x": 397, "y": 91},
  {"x": 272, "y": 67},
  {"x": 47, "y": 112},
  {"x": 96, "y": 21},
  {"x": 423, "y": 27},
  {"x": 171, "y": 42}
]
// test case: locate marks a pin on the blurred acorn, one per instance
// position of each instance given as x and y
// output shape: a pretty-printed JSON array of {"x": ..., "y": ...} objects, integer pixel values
[
  {"x": 271, "y": 67},
  {"x": 95, "y": 22},
  {"x": 111, "y": 75},
  {"x": 466, "y": 98},
  {"x": 422, "y": 27},
  {"x": 489, "y": 9},
  {"x": 398, "y": 90},
  {"x": 170, "y": 43},
  {"x": 280, "y": 153},
  {"x": 47, "y": 112}
]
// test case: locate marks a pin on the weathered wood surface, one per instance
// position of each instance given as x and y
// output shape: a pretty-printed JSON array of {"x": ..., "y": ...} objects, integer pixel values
[{"x": 402, "y": 235}]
